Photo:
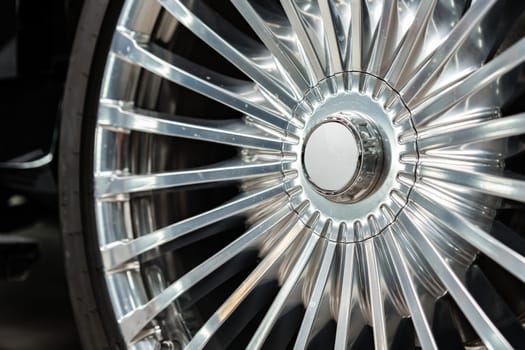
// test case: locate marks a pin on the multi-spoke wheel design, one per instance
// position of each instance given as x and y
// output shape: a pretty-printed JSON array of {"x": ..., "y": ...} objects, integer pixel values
[{"x": 313, "y": 174}]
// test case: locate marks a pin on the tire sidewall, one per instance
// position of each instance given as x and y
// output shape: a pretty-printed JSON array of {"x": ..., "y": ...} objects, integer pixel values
[{"x": 94, "y": 315}]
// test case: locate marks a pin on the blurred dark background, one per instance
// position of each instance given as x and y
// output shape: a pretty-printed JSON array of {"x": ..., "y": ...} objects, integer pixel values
[
  {"x": 35, "y": 44},
  {"x": 35, "y": 313}
]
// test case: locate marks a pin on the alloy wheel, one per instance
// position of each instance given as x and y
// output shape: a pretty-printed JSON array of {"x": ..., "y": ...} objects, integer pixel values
[{"x": 299, "y": 173}]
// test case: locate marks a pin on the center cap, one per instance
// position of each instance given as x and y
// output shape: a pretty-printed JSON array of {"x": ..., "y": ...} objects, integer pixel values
[
  {"x": 331, "y": 156},
  {"x": 342, "y": 157},
  {"x": 347, "y": 177}
]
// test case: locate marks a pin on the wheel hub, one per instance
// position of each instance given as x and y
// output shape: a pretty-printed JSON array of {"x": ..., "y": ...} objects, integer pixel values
[
  {"x": 349, "y": 158},
  {"x": 343, "y": 157}
]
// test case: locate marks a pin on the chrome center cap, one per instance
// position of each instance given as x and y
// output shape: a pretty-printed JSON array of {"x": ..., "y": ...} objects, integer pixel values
[
  {"x": 347, "y": 168},
  {"x": 342, "y": 157},
  {"x": 331, "y": 156}
]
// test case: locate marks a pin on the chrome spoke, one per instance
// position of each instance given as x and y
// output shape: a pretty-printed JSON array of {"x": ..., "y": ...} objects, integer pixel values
[
  {"x": 132, "y": 323},
  {"x": 460, "y": 119},
  {"x": 299, "y": 26},
  {"x": 410, "y": 41},
  {"x": 228, "y": 132},
  {"x": 270, "y": 40},
  {"x": 431, "y": 109},
  {"x": 347, "y": 299},
  {"x": 107, "y": 185},
  {"x": 419, "y": 319},
  {"x": 282, "y": 298},
  {"x": 382, "y": 38},
  {"x": 287, "y": 288},
  {"x": 495, "y": 185},
  {"x": 264, "y": 270},
  {"x": 476, "y": 237},
  {"x": 117, "y": 253},
  {"x": 480, "y": 132},
  {"x": 213, "y": 30},
  {"x": 331, "y": 36},
  {"x": 376, "y": 296},
  {"x": 355, "y": 57},
  {"x": 312, "y": 309},
  {"x": 230, "y": 92},
  {"x": 484, "y": 327},
  {"x": 439, "y": 58}
]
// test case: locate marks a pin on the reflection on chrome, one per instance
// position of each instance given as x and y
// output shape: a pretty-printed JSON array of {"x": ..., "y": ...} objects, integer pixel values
[{"x": 416, "y": 86}]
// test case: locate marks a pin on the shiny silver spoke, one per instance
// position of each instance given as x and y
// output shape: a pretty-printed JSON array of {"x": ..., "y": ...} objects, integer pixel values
[
  {"x": 265, "y": 270},
  {"x": 331, "y": 36},
  {"x": 481, "y": 323},
  {"x": 495, "y": 185},
  {"x": 231, "y": 92},
  {"x": 442, "y": 55},
  {"x": 117, "y": 253},
  {"x": 283, "y": 297},
  {"x": 315, "y": 303},
  {"x": 480, "y": 132},
  {"x": 273, "y": 43},
  {"x": 107, "y": 185},
  {"x": 376, "y": 296},
  {"x": 433, "y": 108},
  {"x": 412, "y": 38},
  {"x": 355, "y": 57},
  {"x": 347, "y": 299},
  {"x": 410, "y": 292},
  {"x": 132, "y": 323},
  {"x": 228, "y": 132},
  {"x": 475, "y": 236},
  {"x": 213, "y": 30},
  {"x": 299, "y": 26},
  {"x": 385, "y": 30}
]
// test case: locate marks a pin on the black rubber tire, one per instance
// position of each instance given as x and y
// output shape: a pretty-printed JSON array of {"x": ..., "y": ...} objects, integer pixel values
[{"x": 94, "y": 315}]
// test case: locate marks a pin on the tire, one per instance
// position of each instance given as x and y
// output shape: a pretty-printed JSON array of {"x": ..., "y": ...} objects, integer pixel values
[
  {"x": 226, "y": 173},
  {"x": 83, "y": 270}
]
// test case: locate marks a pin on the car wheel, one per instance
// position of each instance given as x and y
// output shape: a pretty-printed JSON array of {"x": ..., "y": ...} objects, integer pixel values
[{"x": 296, "y": 174}]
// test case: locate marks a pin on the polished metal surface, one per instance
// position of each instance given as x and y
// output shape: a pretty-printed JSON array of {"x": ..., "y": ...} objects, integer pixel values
[
  {"x": 370, "y": 145},
  {"x": 382, "y": 184},
  {"x": 343, "y": 157},
  {"x": 331, "y": 156}
]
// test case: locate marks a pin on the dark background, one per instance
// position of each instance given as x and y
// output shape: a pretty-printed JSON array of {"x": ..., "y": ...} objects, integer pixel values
[
  {"x": 35, "y": 314},
  {"x": 35, "y": 43}
]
